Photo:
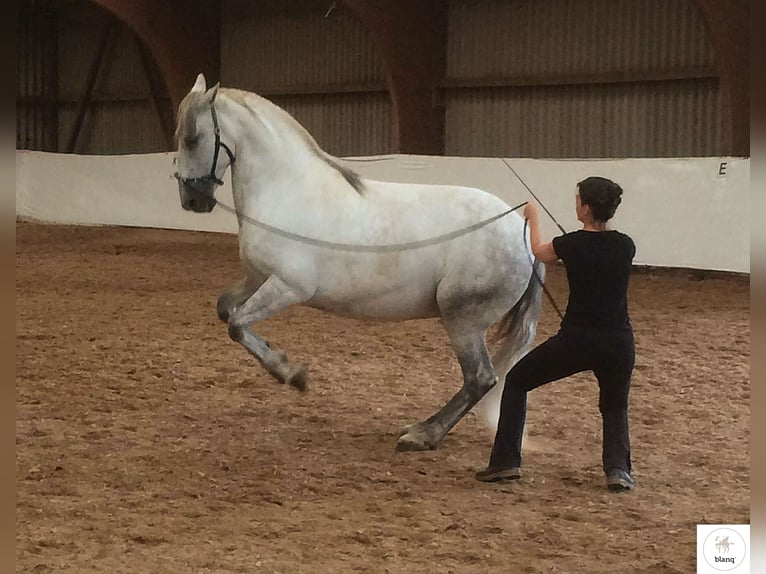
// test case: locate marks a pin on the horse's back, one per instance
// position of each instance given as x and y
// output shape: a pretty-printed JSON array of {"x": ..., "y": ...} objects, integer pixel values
[
  {"x": 408, "y": 283},
  {"x": 427, "y": 211}
]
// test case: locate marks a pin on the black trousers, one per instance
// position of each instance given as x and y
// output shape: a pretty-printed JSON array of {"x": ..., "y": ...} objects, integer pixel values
[{"x": 610, "y": 354}]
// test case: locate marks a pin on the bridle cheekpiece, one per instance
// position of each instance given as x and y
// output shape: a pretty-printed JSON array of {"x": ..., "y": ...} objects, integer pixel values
[{"x": 194, "y": 182}]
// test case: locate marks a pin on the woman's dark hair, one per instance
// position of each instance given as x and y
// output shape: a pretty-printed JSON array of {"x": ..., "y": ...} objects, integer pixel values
[{"x": 601, "y": 195}]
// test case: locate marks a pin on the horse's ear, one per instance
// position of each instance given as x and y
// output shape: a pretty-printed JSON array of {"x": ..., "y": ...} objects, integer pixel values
[
  {"x": 212, "y": 93},
  {"x": 200, "y": 85}
]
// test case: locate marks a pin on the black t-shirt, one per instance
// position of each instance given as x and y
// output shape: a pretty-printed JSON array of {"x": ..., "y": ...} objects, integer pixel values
[{"x": 598, "y": 269}]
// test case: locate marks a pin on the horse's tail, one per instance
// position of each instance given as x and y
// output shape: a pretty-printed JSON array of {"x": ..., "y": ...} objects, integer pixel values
[{"x": 516, "y": 334}]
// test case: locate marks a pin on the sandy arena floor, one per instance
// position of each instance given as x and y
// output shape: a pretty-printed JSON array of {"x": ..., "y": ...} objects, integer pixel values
[{"x": 148, "y": 442}]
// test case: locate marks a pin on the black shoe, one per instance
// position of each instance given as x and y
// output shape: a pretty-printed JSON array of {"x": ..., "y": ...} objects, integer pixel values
[
  {"x": 619, "y": 480},
  {"x": 496, "y": 474}
]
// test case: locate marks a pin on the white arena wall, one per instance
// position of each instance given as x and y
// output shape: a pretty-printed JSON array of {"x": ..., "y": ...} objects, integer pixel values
[{"x": 681, "y": 212}]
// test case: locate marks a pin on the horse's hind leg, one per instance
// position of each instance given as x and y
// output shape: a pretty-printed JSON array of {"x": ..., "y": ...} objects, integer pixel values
[
  {"x": 270, "y": 298},
  {"x": 478, "y": 377}
]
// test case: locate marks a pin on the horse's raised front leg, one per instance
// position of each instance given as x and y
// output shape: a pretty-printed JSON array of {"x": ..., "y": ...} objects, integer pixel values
[
  {"x": 235, "y": 296},
  {"x": 478, "y": 378},
  {"x": 270, "y": 298}
]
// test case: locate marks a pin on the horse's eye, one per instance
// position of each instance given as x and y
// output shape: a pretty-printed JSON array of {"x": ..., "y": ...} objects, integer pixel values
[{"x": 191, "y": 141}]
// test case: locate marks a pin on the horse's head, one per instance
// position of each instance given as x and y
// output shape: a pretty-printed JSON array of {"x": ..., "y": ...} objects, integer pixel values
[{"x": 200, "y": 161}]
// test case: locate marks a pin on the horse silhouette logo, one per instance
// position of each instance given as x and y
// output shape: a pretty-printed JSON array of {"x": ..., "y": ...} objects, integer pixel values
[
  {"x": 722, "y": 544},
  {"x": 724, "y": 550}
]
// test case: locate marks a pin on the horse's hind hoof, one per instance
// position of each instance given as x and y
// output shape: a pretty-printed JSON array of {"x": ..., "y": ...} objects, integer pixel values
[
  {"x": 412, "y": 442},
  {"x": 414, "y": 428},
  {"x": 299, "y": 378}
]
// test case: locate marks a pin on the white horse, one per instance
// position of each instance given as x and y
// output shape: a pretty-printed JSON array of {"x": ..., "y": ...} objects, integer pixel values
[{"x": 313, "y": 232}]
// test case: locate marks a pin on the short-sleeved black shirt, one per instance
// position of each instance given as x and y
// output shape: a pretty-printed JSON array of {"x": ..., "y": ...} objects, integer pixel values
[{"x": 598, "y": 269}]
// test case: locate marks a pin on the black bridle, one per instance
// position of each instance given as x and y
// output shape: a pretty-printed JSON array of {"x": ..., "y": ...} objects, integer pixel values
[{"x": 194, "y": 182}]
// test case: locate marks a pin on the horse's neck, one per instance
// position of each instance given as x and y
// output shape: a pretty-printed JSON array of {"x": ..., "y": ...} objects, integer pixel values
[{"x": 274, "y": 155}]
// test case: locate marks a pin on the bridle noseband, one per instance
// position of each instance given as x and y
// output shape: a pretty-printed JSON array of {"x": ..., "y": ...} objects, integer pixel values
[{"x": 194, "y": 182}]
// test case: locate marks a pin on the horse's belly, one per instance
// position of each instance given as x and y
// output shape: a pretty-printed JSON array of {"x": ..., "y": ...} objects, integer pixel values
[
  {"x": 395, "y": 306},
  {"x": 406, "y": 290}
]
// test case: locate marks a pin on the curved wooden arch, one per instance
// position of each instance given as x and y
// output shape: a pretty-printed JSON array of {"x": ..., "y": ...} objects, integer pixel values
[
  {"x": 411, "y": 37},
  {"x": 183, "y": 37},
  {"x": 728, "y": 23}
]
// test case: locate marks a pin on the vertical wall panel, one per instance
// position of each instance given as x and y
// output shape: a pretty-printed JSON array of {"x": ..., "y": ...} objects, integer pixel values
[
  {"x": 81, "y": 26},
  {"x": 347, "y": 124},
  {"x": 121, "y": 117},
  {"x": 287, "y": 44},
  {"x": 116, "y": 128},
  {"x": 518, "y": 37},
  {"x": 324, "y": 71},
  {"x": 589, "y": 48},
  {"x": 57, "y": 43},
  {"x": 36, "y": 73},
  {"x": 668, "y": 119}
]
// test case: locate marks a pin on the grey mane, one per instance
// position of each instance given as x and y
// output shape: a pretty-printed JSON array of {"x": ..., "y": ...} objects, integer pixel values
[{"x": 351, "y": 177}]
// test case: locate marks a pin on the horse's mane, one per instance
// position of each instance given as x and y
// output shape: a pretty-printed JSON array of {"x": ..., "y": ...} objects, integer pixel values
[
  {"x": 183, "y": 126},
  {"x": 245, "y": 99}
]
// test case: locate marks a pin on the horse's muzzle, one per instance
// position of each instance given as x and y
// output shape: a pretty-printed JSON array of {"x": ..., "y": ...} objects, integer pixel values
[{"x": 198, "y": 198}]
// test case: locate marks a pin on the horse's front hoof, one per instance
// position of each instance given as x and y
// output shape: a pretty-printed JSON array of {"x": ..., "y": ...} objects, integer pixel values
[
  {"x": 299, "y": 378},
  {"x": 294, "y": 375},
  {"x": 415, "y": 441}
]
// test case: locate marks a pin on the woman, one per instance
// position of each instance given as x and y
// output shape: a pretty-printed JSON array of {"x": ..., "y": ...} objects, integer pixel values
[{"x": 595, "y": 334}]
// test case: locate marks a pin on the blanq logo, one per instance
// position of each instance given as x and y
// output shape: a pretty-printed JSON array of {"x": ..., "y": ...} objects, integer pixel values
[{"x": 723, "y": 548}]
